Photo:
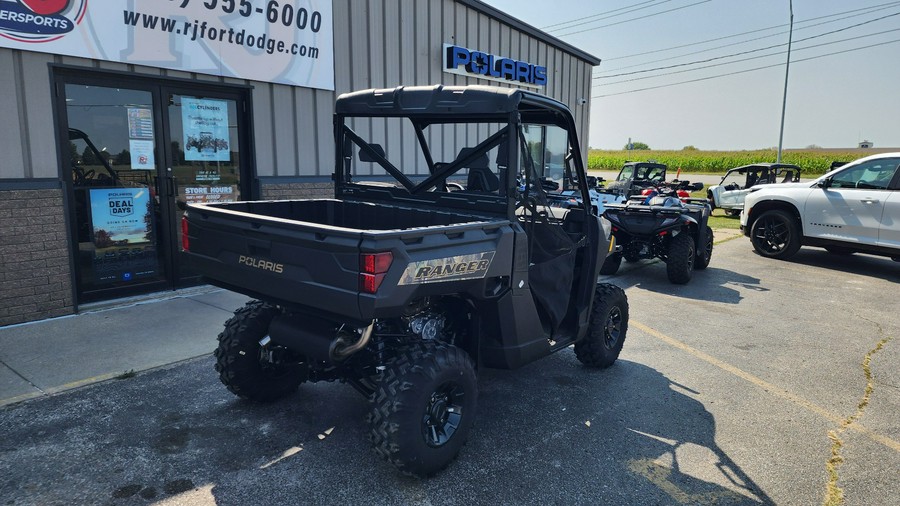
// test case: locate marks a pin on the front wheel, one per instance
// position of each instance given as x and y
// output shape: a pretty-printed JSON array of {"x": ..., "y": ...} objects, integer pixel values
[
  {"x": 680, "y": 259},
  {"x": 775, "y": 235},
  {"x": 424, "y": 407},
  {"x": 608, "y": 325},
  {"x": 250, "y": 369}
]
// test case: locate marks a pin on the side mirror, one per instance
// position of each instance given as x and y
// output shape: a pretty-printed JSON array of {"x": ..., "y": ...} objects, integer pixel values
[{"x": 825, "y": 183}]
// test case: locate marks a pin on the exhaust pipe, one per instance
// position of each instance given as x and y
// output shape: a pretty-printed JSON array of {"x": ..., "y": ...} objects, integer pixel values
[
  {"x": 343, "y": 350},
  {"x": 316, "y": 339}
]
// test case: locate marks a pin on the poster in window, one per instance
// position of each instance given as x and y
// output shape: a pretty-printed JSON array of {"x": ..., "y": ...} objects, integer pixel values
[
  {"x": 140, "y": 123},
  {"x": 122, "y": 234},
  {"x": 141, "y": 154},
  {"x": 205, "y": 124}
]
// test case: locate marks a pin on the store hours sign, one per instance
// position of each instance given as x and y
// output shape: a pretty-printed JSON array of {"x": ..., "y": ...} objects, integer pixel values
[{"x": 279, "y": 41}]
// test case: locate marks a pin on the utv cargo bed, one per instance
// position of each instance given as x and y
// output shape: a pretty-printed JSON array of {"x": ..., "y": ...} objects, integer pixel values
[{"x": 308, "y": 252}]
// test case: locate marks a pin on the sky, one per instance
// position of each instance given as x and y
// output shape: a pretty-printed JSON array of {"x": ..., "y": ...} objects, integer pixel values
[{"x": 832, "y": 102}]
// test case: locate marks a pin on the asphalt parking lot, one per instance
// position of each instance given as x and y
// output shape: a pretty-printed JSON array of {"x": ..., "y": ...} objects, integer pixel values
[{"x": 760, "y": 382}]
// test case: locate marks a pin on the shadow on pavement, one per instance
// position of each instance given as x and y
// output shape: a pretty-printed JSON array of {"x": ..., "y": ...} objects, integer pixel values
[
  {"x": 551, "y": 433},
  {"x": 711, "y": 284},
  {"x": 859, "y": 264}
]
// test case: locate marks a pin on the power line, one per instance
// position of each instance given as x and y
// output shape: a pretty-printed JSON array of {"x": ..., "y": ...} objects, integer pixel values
[
  {"x": 870, "y": 9},
  {"x": 739, "y": 42},
  {"x": 695, "y": 62},
  {"x": 600, "y": 17},
  {"x": 744, "y": 71},
  {"x": 598, "y": 14},
  {"x": 748, "y": 59},
  {"x": 634, "y": 19}
]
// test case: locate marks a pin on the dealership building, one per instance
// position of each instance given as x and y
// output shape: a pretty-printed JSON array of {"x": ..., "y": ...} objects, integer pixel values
[{"x": 117, "y": 118}]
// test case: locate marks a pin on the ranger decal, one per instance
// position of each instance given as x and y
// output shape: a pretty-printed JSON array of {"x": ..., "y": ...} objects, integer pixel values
[{"x": 447, "y": 269}]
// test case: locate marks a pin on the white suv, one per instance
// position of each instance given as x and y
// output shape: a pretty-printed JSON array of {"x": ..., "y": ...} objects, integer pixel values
[{"x": 855, "y": 208}]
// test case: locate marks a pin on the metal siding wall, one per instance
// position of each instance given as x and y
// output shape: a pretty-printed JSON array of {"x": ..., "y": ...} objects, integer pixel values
[
  {"x": 12, "y": 142},
  {"x": 40, "y": 115}
]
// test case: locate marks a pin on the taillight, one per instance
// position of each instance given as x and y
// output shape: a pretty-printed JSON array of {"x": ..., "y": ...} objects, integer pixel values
[
  {"x": 185, "y": 242},
  {"x": 372, "y": 269}
]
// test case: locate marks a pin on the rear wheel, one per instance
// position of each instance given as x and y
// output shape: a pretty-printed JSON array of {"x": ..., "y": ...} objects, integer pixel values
[
  {"x": 733, "y": 212},
  {"x": 424, "y": 407},
  {"x": 775, "y": 235},
  {"x": 705, "y": 255},
  {"x": 252, "y": 370},
  {"x": 611, "y": 264},
  {"x": 680, "y": 259},
  {"x": 608, "y": 325}
]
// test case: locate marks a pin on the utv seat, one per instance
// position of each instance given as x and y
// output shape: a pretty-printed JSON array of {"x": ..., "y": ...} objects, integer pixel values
[{"x": 481, "y": 178}]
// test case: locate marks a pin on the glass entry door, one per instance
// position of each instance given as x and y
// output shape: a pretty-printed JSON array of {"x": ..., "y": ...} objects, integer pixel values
[
  {"x": 205, "y": 154},
  {"x": 135, "y": 153},
  {"x": 118, "y": 214}
]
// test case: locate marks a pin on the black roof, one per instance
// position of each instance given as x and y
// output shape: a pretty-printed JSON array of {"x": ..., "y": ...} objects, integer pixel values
[
  {"x": 434, "y": 100},
  {"x": 646, "y": 164}
]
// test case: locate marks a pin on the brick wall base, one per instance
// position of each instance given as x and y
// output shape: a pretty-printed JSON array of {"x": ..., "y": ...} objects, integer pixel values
[
  {"x": 35, "y": 279},
  {"x": 286, "y": 191}
]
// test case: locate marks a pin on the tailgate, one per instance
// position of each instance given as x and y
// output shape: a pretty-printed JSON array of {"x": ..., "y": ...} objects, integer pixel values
[{"x": 282, "y": 260}]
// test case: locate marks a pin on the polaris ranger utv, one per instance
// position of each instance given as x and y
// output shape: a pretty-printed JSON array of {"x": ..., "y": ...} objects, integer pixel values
[{"x": 404, "y": 284}]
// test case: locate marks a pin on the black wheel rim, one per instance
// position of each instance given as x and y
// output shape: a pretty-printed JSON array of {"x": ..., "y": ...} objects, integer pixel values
[
  {"x": 613, "y": 328},
  {"x": 443, "y": 413},
  {"x": 772, "y": 234},
  {"x": 709, "y": 247}
]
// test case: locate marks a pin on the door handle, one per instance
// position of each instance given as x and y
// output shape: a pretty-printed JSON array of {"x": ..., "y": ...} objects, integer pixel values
[
  {"x": 869, "y": 201},
  {"x": 170, "y": 186}
]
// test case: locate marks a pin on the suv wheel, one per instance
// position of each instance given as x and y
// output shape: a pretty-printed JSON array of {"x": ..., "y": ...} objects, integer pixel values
[
  {"x": 249, "y": 369},
  {"x": 680, "y": 259},
  {"x": 775, "y": 235},
  {"x": 423, "y": 407},
  {"x": 608, "y": 325}
]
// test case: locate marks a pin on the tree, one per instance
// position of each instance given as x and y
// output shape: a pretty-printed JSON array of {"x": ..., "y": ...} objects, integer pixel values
[
  {"x": 637, "y": 145},
  {"x": 88, "y": 157},
  {"x": 690, "y": 148},
  {"x": 73, "y": 153},
  {"x": 102, "y": 238},
  {"x": 123, "y": 158}
]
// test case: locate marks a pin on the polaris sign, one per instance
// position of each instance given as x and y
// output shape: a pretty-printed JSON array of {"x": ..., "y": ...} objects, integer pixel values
[{"x": 467, "y": 62}]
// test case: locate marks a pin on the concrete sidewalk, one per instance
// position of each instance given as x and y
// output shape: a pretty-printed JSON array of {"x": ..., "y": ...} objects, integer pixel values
[{"x": 50, "y": 356}]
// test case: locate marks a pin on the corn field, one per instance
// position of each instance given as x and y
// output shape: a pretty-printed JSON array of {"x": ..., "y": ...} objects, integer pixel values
[{"x": 810, "y": 161}]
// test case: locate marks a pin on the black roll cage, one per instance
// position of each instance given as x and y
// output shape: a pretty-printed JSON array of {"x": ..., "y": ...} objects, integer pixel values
[{"x": 425, "y": 106}]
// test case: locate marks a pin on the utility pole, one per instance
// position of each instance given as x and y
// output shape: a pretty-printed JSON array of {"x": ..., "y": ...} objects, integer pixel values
[{"x": 787, "y": 69}]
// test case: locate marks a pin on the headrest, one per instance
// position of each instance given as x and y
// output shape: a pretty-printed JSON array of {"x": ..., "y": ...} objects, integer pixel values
[
  {"x": 479, "y": 163},
  {"x": 364, "y": 155}
]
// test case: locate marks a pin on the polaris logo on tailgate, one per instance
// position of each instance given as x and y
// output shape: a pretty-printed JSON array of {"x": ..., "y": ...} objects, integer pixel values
[
  {"x": 261, "y": 264},
  {"x": 447, "y": 269}
]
